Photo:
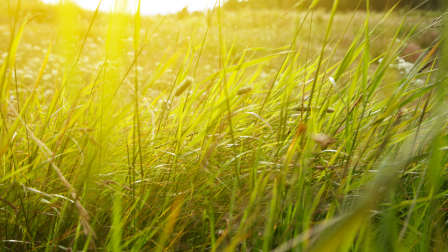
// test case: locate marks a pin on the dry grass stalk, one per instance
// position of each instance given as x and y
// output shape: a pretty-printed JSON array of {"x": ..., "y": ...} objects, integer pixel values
[{"x": 72, "y": 191}]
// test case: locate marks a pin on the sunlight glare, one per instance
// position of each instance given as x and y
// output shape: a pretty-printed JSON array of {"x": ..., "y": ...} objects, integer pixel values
[{"x": 147, "y": 6}]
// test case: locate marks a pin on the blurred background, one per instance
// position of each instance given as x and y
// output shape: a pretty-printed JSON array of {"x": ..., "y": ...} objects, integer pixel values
[
  {"x": 250, "y": 23},
  {"x": 165, "y": 6},
  {"x": 346, "y": 5}
]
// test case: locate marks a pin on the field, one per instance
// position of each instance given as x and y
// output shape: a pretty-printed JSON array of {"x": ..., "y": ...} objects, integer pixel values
[{"x": 249, "y": 130}]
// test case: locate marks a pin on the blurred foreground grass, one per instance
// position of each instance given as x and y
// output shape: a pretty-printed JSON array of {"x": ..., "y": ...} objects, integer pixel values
[{"x": 223, "y": 131}]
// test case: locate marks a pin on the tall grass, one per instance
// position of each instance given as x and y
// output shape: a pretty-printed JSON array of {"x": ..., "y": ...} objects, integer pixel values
[{"x": 315, "y": 156}]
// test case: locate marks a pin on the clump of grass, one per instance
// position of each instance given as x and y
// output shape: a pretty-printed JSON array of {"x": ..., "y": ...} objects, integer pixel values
[{"x": 110, "y": 167}]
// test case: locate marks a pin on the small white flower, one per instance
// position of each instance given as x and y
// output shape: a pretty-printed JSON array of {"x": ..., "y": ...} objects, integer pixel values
[
  {"x": 85, "y": 59},
  {"x": 46, "y": 77},
  {"x": 27, "y": 46},
  {"x": 418, "y": 82},
  {"x": 403, "y": 66},
  {"x": 48, "y": 93}
]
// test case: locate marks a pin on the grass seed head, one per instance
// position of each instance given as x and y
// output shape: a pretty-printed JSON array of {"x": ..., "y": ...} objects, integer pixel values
[
  {"x": 322, "y": 139},
  {"x": 244, "y": 90},
  {"x": 308, "y": 108},
  {"x": 320, "y": 167},
  {"x": 183, "y": 86},
  {"x": 426, "y": 66},
  {"x": 211, "y": 148}
]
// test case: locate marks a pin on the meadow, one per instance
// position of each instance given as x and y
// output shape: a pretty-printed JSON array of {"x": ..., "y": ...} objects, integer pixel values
[{"x": 248, "y": 130}]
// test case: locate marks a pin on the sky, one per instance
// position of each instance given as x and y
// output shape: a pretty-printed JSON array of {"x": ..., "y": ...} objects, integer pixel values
[{"x": 147, "y": 6}]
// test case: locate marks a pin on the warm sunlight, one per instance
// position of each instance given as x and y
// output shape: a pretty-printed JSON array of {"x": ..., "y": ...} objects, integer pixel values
[
  {"x": 147, "y": 6},
  {"x": 255, "y": 126}
]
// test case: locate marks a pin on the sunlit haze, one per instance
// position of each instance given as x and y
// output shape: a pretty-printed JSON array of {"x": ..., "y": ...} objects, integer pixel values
[
  {"x": 258, "y": 125},
  {"x": 147, "y": 6}
]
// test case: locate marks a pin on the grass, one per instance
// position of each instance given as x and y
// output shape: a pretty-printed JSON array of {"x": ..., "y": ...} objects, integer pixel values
[{"x": 249, "y": 135}]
